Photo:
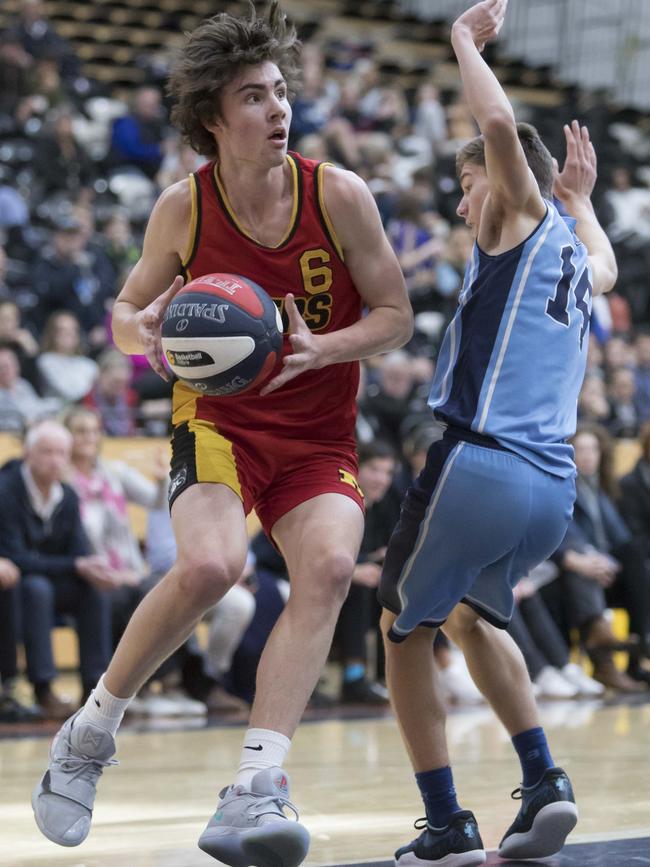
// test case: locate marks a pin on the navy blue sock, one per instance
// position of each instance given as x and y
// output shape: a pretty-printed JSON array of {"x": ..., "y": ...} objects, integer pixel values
[
  {"x": 439, "y": 795},
  {"x": 534, "y": 755}
]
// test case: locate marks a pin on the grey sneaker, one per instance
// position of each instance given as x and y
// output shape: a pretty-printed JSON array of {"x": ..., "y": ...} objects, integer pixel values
[
  {"x": 63, "y": 800},
  {"x": 250, "y": 828}
]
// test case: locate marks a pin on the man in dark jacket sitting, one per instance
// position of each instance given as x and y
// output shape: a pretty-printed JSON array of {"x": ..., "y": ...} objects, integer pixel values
[{"x": 41, "y": 533}]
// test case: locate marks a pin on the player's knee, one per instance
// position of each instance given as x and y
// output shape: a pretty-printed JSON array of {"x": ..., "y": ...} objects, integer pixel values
[
  {"x": 204, "y": 579},
  {"x": 462, "y": 621},
  {"x": 332, "y": 577}
]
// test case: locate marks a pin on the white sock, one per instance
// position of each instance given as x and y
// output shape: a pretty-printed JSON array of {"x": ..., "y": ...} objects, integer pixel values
[
  {"x": 262, "y": 748},
  {"x": 103, "y": 709}
]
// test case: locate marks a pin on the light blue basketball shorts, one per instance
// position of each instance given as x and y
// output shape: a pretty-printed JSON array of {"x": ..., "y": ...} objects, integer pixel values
[{"x": 476, "y": 520}]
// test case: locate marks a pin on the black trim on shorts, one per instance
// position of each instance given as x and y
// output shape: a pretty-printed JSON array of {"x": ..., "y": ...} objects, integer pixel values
[
  {"x": 398, "y": 638},
  {"x": 413, "y": 512},
  {"x": 486, "y": 615},
  {"x": 182, "y": 474}
]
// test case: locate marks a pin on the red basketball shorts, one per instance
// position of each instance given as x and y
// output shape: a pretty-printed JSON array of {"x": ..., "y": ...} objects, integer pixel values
[{"x": 271, "y": 473}]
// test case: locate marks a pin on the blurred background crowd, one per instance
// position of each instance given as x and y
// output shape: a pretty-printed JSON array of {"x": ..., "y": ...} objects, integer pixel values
[{"x": 85, "y": 148}]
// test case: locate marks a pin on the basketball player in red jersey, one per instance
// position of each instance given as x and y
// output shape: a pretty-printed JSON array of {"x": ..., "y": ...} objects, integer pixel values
[{"x": 311, "y": 236}]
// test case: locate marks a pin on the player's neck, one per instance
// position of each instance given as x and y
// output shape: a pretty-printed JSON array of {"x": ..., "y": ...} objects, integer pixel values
[{"x": 251, "y": 188}]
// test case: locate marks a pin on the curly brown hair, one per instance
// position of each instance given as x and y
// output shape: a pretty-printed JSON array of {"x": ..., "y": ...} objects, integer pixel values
[
  {"x": 214, "y": 55},
  {"x": 538, "y": 156}
]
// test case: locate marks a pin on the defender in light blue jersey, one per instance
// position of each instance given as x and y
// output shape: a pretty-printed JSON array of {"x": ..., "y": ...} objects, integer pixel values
[
  {"x": 513, "y": 358},
  {"x": 496, "y": 493}
]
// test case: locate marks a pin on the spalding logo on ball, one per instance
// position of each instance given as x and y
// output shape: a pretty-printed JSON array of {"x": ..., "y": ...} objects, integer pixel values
[{"x": 222, "y": 334}]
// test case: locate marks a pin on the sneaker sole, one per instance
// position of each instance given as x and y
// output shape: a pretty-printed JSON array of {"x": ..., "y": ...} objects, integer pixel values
[
  {"x": 259, "y": 847},
  {"x": 551, "y": 826},
  {"x": 460, "y": 859}
]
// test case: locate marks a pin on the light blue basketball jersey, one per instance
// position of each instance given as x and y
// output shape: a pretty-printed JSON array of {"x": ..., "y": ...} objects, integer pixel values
[{"x": 513, "y": 358}]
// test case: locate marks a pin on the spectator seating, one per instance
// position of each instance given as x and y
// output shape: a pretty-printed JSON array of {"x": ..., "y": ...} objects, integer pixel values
[
  {"x": 139, "y": 452},
  {"x": 109, "y": 36}
]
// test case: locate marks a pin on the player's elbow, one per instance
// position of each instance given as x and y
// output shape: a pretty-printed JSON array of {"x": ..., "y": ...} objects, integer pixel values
[
  {"x": 499, "y": 123},
  {"x": 605, "y": 275},
  {"x": 608, "y": 280},
  {"x": 405, "y": 325},
  {"x": 612, "y": 276}
]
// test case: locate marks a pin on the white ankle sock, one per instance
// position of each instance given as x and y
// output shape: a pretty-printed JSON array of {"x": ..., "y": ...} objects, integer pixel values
[
  {"x": 103, "y": 709},
  {"x": 262, "y": 748}
]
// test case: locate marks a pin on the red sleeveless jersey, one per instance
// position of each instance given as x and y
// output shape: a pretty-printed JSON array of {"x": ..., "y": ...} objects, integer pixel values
[{"x": 308, "y": 262}]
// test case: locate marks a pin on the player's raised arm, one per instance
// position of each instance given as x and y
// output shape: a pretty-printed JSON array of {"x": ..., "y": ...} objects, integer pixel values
[
  {"x": 153, "y": 282},
  {"x": 573, "y": 187},
  {"x": 512, "y": 184}
]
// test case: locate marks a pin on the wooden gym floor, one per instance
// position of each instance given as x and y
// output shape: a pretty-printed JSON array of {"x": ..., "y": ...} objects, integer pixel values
[{"x": 351, "y": 781}]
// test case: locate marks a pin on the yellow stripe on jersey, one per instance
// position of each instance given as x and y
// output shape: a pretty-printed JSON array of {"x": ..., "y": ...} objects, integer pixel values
[
  {"x": 294, "y": 207},
  {"x": 215, "y": 461},
  {"x": 194, "y": 219},
  {"x": 323, "y": 209}
]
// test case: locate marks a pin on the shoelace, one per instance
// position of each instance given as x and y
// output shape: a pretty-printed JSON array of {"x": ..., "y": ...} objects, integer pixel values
[
  {"x": 83, "y": 768},
  {"x": 266, "y": 802},
  {"x": 420, "y": 824},
  {"x": 517, "y": 794}
]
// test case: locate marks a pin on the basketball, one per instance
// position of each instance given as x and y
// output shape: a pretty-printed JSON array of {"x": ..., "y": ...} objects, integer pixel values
[{"x": 222, "y": 334}]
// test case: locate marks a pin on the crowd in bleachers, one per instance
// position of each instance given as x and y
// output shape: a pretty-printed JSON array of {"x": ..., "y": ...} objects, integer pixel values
[{"x": 80, "y": 167}]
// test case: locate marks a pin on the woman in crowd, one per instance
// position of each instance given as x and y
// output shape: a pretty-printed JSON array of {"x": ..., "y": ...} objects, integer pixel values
[
  {"x": 64, "y": 370},
  {"x": 105, "y": 488}
]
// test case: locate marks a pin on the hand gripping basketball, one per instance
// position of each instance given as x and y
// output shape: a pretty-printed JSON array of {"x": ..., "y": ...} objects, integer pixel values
[
  {"x": 305, "y": 355},
  {"x": 149, "y": 325}
]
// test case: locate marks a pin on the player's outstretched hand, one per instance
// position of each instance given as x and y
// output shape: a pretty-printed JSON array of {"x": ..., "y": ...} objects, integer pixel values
[
  {"x": 305, "y": 355},
  {"x": 149, "y": 325},
  {"x": 578, "y": 176},
  {"x": 483, "y": 21}
]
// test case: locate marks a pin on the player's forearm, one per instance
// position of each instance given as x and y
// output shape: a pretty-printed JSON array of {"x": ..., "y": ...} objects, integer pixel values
[
  {"x": 593, "y": 236},
  {"x": 485, "y": 97},
  {"x": 125, "y": 328},
  {"x": 383, "y": 329}
]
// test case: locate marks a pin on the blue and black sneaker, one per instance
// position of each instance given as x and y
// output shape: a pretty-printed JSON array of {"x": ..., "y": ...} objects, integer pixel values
[
  {"x": 548, "y": 814},
  {"x": 459, "y": 844}
]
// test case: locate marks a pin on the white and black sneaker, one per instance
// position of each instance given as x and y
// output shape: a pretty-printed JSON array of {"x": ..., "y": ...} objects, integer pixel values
[
  {"x": 547, "y": 815},
  {"x": 458, "y": 844}
]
